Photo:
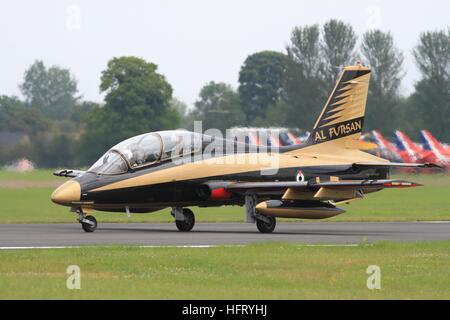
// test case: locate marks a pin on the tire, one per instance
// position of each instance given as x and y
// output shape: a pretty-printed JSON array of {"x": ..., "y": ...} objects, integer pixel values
[
  {"x": 87, "y": 227},
  {"x": 188, "y": 223},
  {"x": 265, "y": 227}
]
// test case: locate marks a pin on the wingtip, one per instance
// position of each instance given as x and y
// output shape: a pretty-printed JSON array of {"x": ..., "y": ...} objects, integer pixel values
[{"x": 433, "y": 165}]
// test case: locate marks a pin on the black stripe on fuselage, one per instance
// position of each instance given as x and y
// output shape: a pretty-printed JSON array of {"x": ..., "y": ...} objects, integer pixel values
[{"x": 196, "y": 191}]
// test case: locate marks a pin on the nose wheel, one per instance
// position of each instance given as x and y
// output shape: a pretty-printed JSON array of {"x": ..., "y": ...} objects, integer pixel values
[
  {"x": 184, "y": 219},
  {"x": 88, "y": 223}
]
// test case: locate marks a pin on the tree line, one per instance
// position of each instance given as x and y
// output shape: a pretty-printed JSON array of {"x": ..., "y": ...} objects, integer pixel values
[{"x": 285, "y": 89}]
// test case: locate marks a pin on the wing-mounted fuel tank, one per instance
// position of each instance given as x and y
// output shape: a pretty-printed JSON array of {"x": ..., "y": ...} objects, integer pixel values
[{"x": 298, "y": 209}]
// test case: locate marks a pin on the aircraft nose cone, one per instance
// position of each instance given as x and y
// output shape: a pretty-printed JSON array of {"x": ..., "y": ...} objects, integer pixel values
[{"x": 66, "y": 193}]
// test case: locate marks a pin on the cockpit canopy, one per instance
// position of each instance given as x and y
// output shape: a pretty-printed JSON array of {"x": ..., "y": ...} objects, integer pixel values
[{"x": 147, "y": 149}]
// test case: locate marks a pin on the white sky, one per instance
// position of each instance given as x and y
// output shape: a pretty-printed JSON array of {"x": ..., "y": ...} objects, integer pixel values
[{"x": 192, "y": 41}]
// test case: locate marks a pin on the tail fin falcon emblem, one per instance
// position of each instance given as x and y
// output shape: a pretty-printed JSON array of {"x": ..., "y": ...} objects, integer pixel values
[{"x": 343, "y": 114}]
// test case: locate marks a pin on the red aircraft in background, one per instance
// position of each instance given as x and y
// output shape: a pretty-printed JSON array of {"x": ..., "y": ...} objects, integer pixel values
[
  {"x": 440, "y": 152},
  {"x": 384, "y": 144},
  {"x": 417, "y": 152}
]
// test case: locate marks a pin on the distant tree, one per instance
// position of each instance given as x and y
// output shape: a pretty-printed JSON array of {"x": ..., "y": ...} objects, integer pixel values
[
  {"x": 81, "y": 110},
  {"x": 131, "y": 81},
  {"x": 262, "y": 83},
  {"x": 430, "y": 103},
  {"x": 386, "y": 63},
  {"x": 432, "y": 55},
  {"x": 218, "y": 107},
  {"x": 51, "y": 149},
  {"x": 305, "y": 86},
  {"x": 338, "y": 45},
  {"x": 179, "y": 106},
  {"x": 49, "y": 143},
  {"x": 11, "y": 121},
  {"x": 137, "y": 101},
  {"x": 51, "y": 90},
  {"x": 304, "y": 49},
  {"x": 9, "y": 107},
  {"x": 277, "y": 115},
  {"x": 15, "y": 116},
  {"x": 183, "y": 111}
]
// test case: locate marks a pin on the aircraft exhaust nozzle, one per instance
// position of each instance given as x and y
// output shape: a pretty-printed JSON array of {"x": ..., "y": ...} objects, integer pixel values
[{"x": 304, "y": 210}]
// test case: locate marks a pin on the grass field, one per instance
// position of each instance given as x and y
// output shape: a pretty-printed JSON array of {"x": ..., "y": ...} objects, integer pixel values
[
  {"x": 259, "y": 271},
  {"x": 35, "y": 175},
  {"x": 25, "y": 198}
]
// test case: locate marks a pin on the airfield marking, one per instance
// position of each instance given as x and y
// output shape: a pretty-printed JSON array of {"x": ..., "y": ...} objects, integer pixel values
[
  {"x": 84, "y": 247},
  {"x": 149, "y": 246},
  {"x": 169, "y": 246},
  {"x": 438, "y": 222},
  {"x": 43, "y": 247}
]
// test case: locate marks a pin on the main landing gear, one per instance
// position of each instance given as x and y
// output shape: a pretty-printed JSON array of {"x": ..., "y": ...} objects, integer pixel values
[
  {"x": 88, "y": 223},
  {"x": 184, "y": 218},
  {"x": 265, "y": 224}
]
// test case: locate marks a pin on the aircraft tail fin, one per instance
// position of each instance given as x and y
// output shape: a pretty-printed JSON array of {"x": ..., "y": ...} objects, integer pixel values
[
  {"x": 406, "y": 144},
  {"x": 429, "y": 141},
  {"x": 342, "y": 118},
  {"x": 382, "y": 142}
]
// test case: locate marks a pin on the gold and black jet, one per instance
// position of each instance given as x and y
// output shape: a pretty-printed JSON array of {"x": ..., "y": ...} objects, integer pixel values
[{"x": 181, "y": 169}]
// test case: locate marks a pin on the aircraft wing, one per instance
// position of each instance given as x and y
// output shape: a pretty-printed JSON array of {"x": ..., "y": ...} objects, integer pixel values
[
  {"x": 68, "y": 173},
  {"x": 396, "y": 164},
  {"x": 244, "y": 186},
  {"x": 326, "y": 187}
]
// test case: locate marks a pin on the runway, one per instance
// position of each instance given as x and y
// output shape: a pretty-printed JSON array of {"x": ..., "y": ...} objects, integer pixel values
[{"x": 158, "y": 234}]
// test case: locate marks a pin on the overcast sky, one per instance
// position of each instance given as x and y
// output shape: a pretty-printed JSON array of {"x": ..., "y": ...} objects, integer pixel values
[{"x": 192, "y": 41}]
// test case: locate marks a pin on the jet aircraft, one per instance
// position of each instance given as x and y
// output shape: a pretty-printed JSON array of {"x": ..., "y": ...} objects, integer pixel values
[{"x": 180, "y": 169}]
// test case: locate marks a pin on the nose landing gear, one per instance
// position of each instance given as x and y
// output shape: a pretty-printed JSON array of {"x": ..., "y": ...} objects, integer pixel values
[
  {"x": 184, "y": 219},
  {"x": 88, "y": 223}
]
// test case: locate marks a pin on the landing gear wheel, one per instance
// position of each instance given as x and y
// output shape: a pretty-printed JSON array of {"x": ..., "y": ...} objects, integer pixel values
[
  {"x": 189, "y": 221},
  {"x": 266, "y": 226},
  {"x": 89, "y": 227}
]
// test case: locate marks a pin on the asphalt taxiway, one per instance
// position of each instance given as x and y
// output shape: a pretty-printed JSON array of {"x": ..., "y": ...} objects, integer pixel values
[{"x": 159, "y": 234}]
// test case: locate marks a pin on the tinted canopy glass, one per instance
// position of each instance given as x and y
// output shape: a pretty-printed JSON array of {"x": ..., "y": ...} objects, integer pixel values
[
  {"x": 146, "y": 149},
  {"x": 110, "y": 163},
  {"x": 141, "y": 150},
  {"x": 178, "y": 143}
]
